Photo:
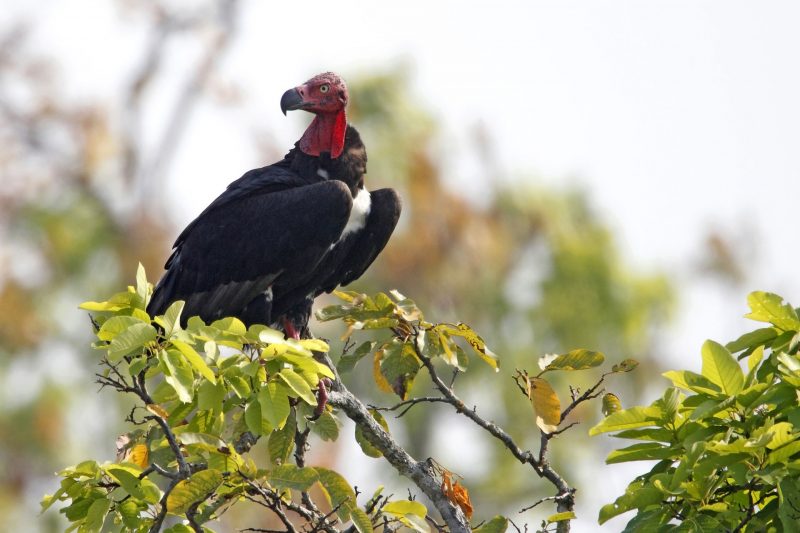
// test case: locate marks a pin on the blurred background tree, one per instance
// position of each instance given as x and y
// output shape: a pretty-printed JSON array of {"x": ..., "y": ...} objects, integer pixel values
[{"x": 535, "y": 269}]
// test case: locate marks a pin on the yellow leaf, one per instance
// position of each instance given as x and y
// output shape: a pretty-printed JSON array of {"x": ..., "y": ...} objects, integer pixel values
[
  {"x": 157, "y": 410},
  {"x": 546, "y": 405},
  {"x": 139, "y": 455},
  {"x": 380, "y": 380},
  {"x": 347, "y": 296},
  {"x": 449, "y": 357},
  {"x": 472, "y": 338},
  {"x": 558, "y": 517},
  {"x": 611, "y": 404}
]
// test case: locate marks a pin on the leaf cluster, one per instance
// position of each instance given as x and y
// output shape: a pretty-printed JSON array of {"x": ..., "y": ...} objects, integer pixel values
[
  {"x": 204, "y": 391},
  {"x": 396, "y": 359},
  {"x": 726, "y": 441}
]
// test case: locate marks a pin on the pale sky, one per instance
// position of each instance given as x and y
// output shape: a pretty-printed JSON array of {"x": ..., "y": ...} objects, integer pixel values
[{"x": 676, "y": 115}]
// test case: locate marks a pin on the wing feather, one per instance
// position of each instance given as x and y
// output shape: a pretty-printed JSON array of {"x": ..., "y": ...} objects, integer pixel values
[{"x": 249, "y": 238}]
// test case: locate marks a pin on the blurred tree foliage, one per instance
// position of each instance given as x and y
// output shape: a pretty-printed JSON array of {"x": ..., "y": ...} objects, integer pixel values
[
  {"x": 536, "y": 270},
  {"x": 72, "y": 223}
]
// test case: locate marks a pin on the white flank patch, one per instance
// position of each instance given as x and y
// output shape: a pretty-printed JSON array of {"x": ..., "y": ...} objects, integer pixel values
[
  {"x": 322, "y": 173},
  {"x": 359, "y": 213}
]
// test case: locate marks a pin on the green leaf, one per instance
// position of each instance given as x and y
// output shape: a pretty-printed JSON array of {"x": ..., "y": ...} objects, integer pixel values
[
  {"x": 409, "y": 513},
  {"x": 195, "y": 360},
  {"x": 290, "y": 476},
  {"x": 333, "y": 312},
  {"x": 474, "y": 340},
  {"x": 634, "y": 417},
  {"x": 648, "y": 434},
  {"x": 130, "y": 511},
  {"x": 270, "y": 336},
  {"x": 326, "y": 426},
  {"x": 177, "y": 374},
  {"x": 192, "y": 490},
  {"x": 361, "y": 520},
  {"x": 399, "y": 367},
  {"x": 781, "y": 455},
  {"x": 116, "y": 325},
  {"x": 210, "y": 396},
  {"x": 252, "y": 417},
  {"x": 366, "y": 446},
  {"x": 298, "y": 385},
  {"x": 625, "y": 365},
  {"x": 96, "y": 515},
  {"x": 187, "y": 437},
  {"x": 721, "y": 368},
  {"x": 645, "y": 451},
  {"x": 78, "y": 509},
  {"x": 239, "y": 385},
  {"x": 142, "y": 287},
  {"x": 133, "y": 338},
  {"x": 709, "y": 408},
  {"x": 171, "y": 319},
  {"x": 230, "y": 325},
  {"x": 498, "y": 524},
  {"x": 559, "y": 517},
  {"x": 653, "y": 519},
  {"x": 789, "y": 503},
  {"x": 688, "y": 380},
  {"x": 137, "y": 365},
  {"x": 314, "y": 345},
  {"x": 740, "y": 445},
  {"x": 142, "y": 489},
  {"x": 181, "y": 528},
  {"x": 338, "y": 490},
  {"x": 348, "y": 361},
  {"x": 752, "y": 339},
  {"x": 755, "y": 358},
  {"x": 576, "y": 360},
  {"x": 769, "y": 307},
  {"x": 118, "y": 302},
  {"x": 637, "y": 496},
  {"x": 782, "y": 433},
  {"x": 281, "y": 441},
  {"x": 309, "y": 367},
  {"x": 49, "y": 499},
  {"x": 274, "y": 400}
]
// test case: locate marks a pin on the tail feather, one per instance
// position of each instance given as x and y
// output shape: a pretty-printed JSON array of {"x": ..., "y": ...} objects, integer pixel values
[{"x": 163, "y": 295}]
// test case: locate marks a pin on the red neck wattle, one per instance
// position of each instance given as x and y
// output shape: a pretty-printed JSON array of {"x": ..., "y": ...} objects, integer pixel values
[{"x": 325, "y": 134}]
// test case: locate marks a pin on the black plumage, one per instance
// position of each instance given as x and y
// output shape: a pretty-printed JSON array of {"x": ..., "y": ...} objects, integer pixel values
[{"x": 278, "y": 237}]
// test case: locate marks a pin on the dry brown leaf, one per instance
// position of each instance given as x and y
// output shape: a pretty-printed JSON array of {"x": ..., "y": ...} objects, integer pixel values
[{"x": 456, "y": 493}]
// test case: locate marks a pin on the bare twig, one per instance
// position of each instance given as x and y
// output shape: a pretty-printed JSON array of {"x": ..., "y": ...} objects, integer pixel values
[
  {"x": 545, "y": 499},
  {"x": 406, "y": 405}
]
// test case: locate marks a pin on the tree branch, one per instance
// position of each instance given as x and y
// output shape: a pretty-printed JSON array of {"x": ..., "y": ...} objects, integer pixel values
[
  {"x": 419, "y": 472},
  {"x": 565, "y": 496}
]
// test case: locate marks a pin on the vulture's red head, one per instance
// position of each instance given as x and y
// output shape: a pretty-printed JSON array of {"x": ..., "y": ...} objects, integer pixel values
[{"x": 326, "y": 96}]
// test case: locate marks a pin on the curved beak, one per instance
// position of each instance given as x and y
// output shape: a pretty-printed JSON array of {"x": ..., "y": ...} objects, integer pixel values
[{"x": 292, "y": 100}]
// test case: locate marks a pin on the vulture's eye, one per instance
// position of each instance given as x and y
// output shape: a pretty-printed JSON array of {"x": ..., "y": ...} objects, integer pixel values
[{"x": 324, "y": 88}]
